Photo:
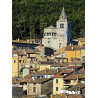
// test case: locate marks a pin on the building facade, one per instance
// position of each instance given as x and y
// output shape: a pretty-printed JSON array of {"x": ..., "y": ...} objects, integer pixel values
[{"x": 59, "y": 36}]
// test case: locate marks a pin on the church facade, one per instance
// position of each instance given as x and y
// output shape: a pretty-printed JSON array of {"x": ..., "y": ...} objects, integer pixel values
[{"x": 59, "y": 36}]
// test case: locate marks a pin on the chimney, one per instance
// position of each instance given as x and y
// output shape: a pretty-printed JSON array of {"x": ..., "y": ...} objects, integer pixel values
[
  {"x": 28, "y": 40},
  {"x": 18, "y": 39},
  {"x": 40, "y": 45},
  {"x": 77, "y": 79},
  {"x": 72, "y": 47}
]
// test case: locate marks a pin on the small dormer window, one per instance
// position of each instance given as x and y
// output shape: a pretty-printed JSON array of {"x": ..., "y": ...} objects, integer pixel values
[{"x": 61, "y": 25}]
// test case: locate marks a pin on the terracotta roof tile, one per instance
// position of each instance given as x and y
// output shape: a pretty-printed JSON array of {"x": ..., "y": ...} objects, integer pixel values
[
  {"x": 62, "y": 74},
  {"x": 82, "y": 71},
  {"x": 72, "y": 47},
  {"x": 40, "y": 80},
  {"x": 74, "y": 76},
  {"x": 18, "y": 52},
  {"x": 77, "y": 87}
]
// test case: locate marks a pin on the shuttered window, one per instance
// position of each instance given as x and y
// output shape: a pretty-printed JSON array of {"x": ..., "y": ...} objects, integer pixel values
[
  {"x": 56, "y": 80},
  {"x": 56, "y": 88}
]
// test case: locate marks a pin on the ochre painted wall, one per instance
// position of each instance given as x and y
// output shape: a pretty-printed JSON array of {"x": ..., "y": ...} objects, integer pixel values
[
  {"x": 42, "y": 67},
  {"x": 71, "y": 54},
  {"x": 59, "y": 85},
  {"x": 15, "y": 66}
]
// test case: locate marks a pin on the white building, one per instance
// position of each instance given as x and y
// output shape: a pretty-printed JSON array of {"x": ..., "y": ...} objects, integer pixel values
[{"x": 59, "y": 36}]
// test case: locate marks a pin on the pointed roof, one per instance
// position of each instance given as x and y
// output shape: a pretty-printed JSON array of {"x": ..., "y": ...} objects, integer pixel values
[
  {"x": 63, "y": 15},
  {"x": 51, "y": 27}
]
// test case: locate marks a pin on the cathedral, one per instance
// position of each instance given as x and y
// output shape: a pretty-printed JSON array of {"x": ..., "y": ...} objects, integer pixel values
[{"x": 59, "y": 36}]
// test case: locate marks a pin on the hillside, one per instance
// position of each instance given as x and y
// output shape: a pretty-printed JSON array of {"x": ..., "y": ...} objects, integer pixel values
[{"x": 30, "y": 17}]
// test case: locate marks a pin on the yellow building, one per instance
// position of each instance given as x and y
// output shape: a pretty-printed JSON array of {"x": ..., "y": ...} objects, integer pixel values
[
  {"x": 63, "y": 80},
  {"x": 18, "y": 62},
  {"x": 58, "y": 81},
  {"x": 33, "y": 57},
  {"x": 72, "y": 51},
  {"x": 15, "y": 67},
  {"x": 83, "y": 53},
  {"x": 45, "y": 64}
]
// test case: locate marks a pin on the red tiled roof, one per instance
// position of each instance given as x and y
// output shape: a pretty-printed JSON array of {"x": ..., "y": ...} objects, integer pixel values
[
  {"x": 18, "y": 52},
  {"x": 82, "y": 71},
  {"x": 62, "y": 74},
  {"x": 75, "y": 76}
]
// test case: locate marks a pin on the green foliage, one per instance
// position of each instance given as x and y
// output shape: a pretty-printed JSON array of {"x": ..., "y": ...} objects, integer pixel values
[
  {"x": 21, "y": 70},
  {"x": 30, "y": 17}
]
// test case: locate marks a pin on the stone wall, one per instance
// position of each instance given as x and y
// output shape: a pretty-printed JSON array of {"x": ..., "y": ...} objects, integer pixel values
[
  {"x": 47, "y": 88},
  {"x": 17, "y": 92}
]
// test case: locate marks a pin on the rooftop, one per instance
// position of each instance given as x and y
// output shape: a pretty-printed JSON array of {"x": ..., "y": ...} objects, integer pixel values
[
  {"x": 82, "y": 71},
  {"x": 62, "y": 74},
  {"x": 18, "y": 52},
  {"x": 22, "y": 42},
  {"x": 72, "y": 67},
  {"x": 47, "y": 72},
  {"x": 60, "y": 64},
  {"x": 51, "y": 27},
  {"x": 74, "y": 77},
  {"x": 63, "y": 15},
  {"x": 72, "y": 47},
  {"x": 82, "y": 39},
  {"x": 60, "y": 58},
  {"x": 40, "y": 81},
  {"x": 77, "y": 87},
  {"x": 46, "y": 62}
]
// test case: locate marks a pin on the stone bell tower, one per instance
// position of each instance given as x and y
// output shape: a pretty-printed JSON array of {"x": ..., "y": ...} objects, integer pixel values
[{"x": 57, "y": 37}]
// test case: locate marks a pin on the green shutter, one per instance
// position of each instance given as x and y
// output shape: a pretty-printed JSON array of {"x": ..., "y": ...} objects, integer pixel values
[
  {"x": 56, "y": 80},
  {"x": 56, "y": 88}
]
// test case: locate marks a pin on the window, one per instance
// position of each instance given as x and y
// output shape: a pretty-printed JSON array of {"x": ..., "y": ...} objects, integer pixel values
[
  {"x": 47, "y": 34},
  {"x": 19, "y": 61},
  {"x": 14, "y": 61},
  {"x": 28, "y": 55},
  {"x": 56, "y": 88},
  {"x": 23, "y": 61},
  {"x": 34, "y": 89},
  {"x": 58, "y": 60},
  {"x": 21, "y": 56},
  {"x": 61, "y": 25},
  {"x": 48, "y": 42},
  {"x": 56, "y": 80}
]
